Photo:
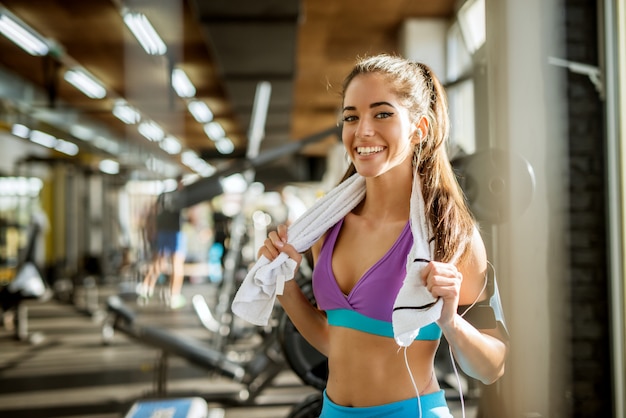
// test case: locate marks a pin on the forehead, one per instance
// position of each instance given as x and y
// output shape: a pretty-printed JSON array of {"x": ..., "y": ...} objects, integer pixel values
[{"x": 371, "y": 87}]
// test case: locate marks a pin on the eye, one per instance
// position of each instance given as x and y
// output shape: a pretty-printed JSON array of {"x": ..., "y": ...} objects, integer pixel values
[
  {"x": 384, "y": 115},
  {"x": 349, "y": 118}
]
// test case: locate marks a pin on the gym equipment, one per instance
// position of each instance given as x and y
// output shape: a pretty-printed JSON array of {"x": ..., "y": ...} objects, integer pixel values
[
  {"x": 311, "y": 407},
  {"x": 308, "y": 363},
  {"x": 486, "y": 178},
  {"x": 28, "y": 284},
  {"x": 209, "y": 187},
  {"x": 283, "y": 343},
  {"x": 255, "y": 374},
  {"x": 183, "y": 407}
]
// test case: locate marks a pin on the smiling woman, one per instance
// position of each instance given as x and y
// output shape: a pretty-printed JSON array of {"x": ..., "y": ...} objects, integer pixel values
[{"x": 400, "y": 256}]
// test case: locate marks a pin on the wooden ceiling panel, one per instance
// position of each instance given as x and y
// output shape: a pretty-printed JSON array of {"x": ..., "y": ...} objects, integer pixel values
[{"x": 329, "y": 35}]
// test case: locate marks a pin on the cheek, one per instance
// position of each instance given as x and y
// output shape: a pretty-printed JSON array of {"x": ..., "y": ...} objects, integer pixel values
[{"x": 346, "y": 135}]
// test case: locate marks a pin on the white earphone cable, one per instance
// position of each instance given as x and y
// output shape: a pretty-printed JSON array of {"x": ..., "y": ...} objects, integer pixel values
[{"x": 456, "y": 372}]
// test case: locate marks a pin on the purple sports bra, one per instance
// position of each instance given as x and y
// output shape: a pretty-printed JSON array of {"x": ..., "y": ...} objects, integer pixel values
[{"x": 374, "y": 294}]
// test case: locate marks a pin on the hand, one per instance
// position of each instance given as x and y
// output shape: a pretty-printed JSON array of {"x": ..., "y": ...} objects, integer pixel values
[
  {"x": 276, "y": 243},
  {"x": 443, "y": 280}
]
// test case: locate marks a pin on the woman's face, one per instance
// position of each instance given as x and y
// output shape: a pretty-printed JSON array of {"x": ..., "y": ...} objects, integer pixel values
[{"x": 377, "y": 132}]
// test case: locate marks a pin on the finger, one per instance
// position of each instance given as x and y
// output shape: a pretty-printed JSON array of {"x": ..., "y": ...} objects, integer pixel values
[
  {"x": 275, "y": 239},
  {"x": 268, "y": 249},
  {"x": 444, "y": 269},
  {"x": 442, "y": 283},
  {"x": 282, "y": 232},
  {"x": 437, "y": 280},
  {"x": 445, "y": 292}
]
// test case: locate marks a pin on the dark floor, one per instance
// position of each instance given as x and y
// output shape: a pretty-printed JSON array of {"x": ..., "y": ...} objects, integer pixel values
[{"x": 64, "y": 369}]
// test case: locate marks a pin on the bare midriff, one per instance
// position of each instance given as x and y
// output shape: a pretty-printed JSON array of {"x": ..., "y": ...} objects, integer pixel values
[{"x": 369, "y": 370}]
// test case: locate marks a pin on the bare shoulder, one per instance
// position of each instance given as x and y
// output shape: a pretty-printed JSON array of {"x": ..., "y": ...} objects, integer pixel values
[{"x": 473, "y": 267}]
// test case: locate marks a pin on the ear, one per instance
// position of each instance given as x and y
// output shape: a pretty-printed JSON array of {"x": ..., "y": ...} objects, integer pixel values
[{"x": 421, "y": 129}]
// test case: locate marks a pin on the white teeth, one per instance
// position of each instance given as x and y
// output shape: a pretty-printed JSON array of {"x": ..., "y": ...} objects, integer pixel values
[{"x": 368, "y": 150}]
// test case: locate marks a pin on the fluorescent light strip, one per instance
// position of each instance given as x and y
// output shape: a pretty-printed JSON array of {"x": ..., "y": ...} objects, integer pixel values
[
  {"x": 106, "y": 144},
  {"x": 43, "y": 138},
  {"x": 82, "y": 132},
  {"x": 20, "y": 186},
  {"x": 214, "y": 131},
  {"x": 151, "y": 131},
  {"x": 22, "y": 35},
  {"x": 148, "y": 38},
  {"x": 206, "y": 170},
  {"x": 109, "y": 166},
  {"x": 181, "y": 84},
  {"x": 200, "y": 111},
  {"x": 66, "y": 147},
  {"x": 170, "y": 145},
  {"x": 225, "y": 146},
  {"x": 85, "y": 82},
  {"x": 126, "y": 113},
  {"x": 20, "y": 130},
  {"x": 191, "y": 160}
]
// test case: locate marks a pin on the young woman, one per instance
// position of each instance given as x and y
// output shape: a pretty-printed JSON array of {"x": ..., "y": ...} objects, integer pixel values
[{"x": 395, "y": 125}]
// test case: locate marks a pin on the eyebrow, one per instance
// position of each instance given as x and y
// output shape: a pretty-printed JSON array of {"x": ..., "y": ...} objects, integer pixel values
[{"x": 373, "y": 105}]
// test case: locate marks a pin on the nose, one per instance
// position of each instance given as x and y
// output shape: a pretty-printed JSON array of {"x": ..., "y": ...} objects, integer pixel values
[{"x": 364, "y": 129}]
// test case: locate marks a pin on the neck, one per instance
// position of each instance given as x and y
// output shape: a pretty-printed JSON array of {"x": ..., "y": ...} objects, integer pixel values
[{"x": 387, "y": 197}]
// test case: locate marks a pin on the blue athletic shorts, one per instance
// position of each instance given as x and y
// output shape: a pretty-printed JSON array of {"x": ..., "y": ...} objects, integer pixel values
[
  {"x": 170, "y": 242},
  {"x": 433, "y": 405}
]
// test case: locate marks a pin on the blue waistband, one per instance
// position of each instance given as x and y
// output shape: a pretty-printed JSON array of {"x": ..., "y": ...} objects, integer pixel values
[
  {"x": 432, "y": 405},
  {"x": 354, "y": 320}
]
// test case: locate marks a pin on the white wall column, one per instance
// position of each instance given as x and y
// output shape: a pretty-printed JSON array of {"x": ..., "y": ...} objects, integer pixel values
[{"x": 526, "y": 116}]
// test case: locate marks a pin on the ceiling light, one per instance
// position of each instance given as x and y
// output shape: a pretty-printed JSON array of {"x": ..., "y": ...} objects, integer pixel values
[
  {"x": 82, "y": 132},
  {"x": 181, "y": 84},
  {"x": 191, "y": 160},
  {"x": 20, "y": 130},
  {"x": 214, "y": 131},
  {"x": 85, "y": 82},
  {"x": 109, "y": 166},
  {"x": 43, "y": 138},
  {"x": 151, "y": 131},
  {"x": 106, "y": 144},
  {"x": 126, "y": 113},
  {"x": 225, "y": 146},
  {"x": 20, "y": 186},
  {"x": 149, "y": 39},
  {"x": 66, "y": 147},
  {"x": 170, "y": 145},
  {"x": 235, "y": 183},
  {"x": 207, "y": 170},
  {"x": 200, "y": 111},
  {"x": 188, "y": 158},
  {"x": 22, "y": 35}
]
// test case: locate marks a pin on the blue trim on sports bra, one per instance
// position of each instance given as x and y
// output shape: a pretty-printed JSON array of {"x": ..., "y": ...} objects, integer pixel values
[{"x": 351, "y": 319}]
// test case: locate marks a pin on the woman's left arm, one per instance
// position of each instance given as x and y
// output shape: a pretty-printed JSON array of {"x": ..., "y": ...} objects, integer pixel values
[{"x": 480, "y": 353}]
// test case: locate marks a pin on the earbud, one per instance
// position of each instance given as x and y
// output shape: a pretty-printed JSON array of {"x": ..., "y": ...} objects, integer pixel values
[{"x": 420, "y": 134}]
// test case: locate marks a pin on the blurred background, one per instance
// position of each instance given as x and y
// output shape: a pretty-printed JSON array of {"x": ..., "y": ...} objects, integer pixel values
[{"x": 105, "y": 105}]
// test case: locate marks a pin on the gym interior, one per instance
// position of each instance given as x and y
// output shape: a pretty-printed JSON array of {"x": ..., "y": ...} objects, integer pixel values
[{"x": 231, "y": 109}]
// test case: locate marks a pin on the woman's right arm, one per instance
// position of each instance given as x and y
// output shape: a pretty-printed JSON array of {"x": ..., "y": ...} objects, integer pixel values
[{"x": 310, "y": 321}]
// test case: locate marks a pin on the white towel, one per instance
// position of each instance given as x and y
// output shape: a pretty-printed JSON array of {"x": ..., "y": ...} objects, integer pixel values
[
  {"x": 414, "y": 308},
  {"x": 255, "y": 298}
]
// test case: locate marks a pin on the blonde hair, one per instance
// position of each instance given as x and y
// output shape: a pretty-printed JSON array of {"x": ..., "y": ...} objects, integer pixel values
[{"x": 421, "y": 92}]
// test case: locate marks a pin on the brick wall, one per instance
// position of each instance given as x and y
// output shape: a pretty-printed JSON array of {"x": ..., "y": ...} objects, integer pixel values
[{"x": 591, "y": 373}]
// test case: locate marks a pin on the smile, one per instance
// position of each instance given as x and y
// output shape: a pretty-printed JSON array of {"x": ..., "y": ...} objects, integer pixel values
[{"x": 369, "y": 150}]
